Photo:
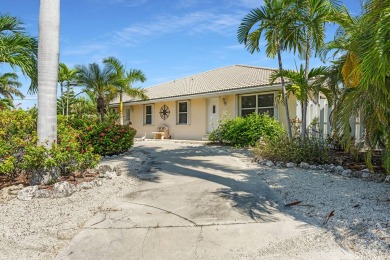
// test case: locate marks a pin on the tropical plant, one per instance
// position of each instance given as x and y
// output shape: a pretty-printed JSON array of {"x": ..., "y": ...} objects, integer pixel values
[
  {"x": 124, "y": 81},
  {"x": 67, "y": 77},
  {"x": 364, "y": 67},
  {"x": 271, "y": 20},
  {"x": 308, "y": 32},
  {"x": 17, "y": 48},
  {"x": 305, "y": 90},
  {"x": 99, "y": 83},
  {"x": 48, "y": 59},
  {"x": 246, "y": 131},
  {"x": 6, "y": 103},
  {"x": 9, "y": 85}
]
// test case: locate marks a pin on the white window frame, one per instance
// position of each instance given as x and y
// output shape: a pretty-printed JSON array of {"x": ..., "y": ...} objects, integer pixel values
[
  {"x": 178, "y": 112},
  {"x": 127, "y": 114},
  {"x": 274, "y": 107},
  {"x": 151, "y": 114}
]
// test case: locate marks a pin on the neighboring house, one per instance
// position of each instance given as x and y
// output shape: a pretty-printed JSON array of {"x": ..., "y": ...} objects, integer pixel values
[{"x": 191, "y": 107}]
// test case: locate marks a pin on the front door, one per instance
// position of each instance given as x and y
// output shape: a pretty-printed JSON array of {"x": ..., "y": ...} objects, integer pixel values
[{"x": 212, "y": 114}]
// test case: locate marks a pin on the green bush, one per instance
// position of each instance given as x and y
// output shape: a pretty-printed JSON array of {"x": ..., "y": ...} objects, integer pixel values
[
  {"x": 246, "y": 131},
  {"x": 106, "y": 138},
  {"x": 314, "y": 150},
  {"x": 19, "y": 153}
]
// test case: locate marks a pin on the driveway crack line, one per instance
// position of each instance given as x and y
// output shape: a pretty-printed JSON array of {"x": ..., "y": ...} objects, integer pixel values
[
  {"x": 143, "y": 242},
  {"x": 198, "y": 240},
  {"x": 167, "y": 211}
]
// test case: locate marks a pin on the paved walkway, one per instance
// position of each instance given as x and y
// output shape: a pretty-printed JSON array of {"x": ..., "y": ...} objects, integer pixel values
[{"x": 199, "y": 202}]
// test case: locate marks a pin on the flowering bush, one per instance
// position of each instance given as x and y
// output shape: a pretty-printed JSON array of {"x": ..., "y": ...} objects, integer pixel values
[{"x": 107, "y": 138}]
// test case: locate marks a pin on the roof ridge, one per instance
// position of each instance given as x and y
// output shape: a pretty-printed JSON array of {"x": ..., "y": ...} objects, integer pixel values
[{"x": 256, "y": 67}]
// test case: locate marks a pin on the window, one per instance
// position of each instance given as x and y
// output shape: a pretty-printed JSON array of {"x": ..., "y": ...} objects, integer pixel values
[
  {"x": 148, "y": 115},
  {"x": 127, "y": 114},
  {"x": 183, "y": 112},
  {"x": 260, "y": 103}
]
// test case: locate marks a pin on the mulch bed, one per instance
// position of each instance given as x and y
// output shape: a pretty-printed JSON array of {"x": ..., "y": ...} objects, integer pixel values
[{"x": 347, "y": 160}]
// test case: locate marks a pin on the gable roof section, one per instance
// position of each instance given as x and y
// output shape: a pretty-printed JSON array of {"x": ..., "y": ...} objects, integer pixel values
[{"x": 222, "y": 79}]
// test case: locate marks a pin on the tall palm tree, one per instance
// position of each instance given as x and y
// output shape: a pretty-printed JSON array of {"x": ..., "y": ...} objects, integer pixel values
[
  {"x": 9, "y": 85},
  {"x": 17, "y": 48},
  {"x": 124, "y": 82},
  {"x": 272, "y": 21},
  {"x": 310, "y": 17},
  {"x": 69, "y": 77},
  {"x": 99, "y": 82},
  {"x": 6, "y": 103},
  {"x": 306, "y": 90},
  {"x": 48, "y": 59}
]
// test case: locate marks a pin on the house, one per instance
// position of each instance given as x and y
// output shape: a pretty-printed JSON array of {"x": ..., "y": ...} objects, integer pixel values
[{"x": 191, "y": 107}]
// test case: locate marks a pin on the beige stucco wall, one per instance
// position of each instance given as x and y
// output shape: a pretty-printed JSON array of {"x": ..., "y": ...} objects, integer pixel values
[
  {"x": 292, "y": 107},
  {"x": 198, "y": 123},
  {"x": 194, "y": 130}
]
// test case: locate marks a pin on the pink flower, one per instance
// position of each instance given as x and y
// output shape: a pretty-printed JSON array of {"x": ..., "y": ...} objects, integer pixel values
[{"x": 102, "y": 134}]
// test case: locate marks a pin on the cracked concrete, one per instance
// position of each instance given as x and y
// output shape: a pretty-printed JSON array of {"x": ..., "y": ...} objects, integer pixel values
[{"x": 200, "y": 203}]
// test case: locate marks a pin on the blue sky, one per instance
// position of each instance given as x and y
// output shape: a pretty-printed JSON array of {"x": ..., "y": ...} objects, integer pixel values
[{"x": 166, "y": 39}]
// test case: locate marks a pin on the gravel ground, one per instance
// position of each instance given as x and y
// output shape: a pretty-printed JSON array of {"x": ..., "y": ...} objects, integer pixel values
[
  {"x": 39, "y": 228},
  {"x": 361, "y": 221}
]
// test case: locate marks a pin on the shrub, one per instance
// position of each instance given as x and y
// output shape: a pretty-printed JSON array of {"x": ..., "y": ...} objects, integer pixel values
[
  {"x": 20, "y": 154},
  {"x": 107, "y": 138},
  {"x": 311, "y": 150},
  {"x": 246, "y": 131}
]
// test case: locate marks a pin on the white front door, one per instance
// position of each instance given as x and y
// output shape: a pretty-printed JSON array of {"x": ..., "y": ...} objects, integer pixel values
[{"x": 212, "y": 114}]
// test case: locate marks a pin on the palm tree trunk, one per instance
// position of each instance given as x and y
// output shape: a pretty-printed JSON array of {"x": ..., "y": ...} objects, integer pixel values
[
  {"x": 120, "y": 109},
  {"x": 304, "y": 103},
  {"x": 285, "y": 100},
  {"x": 67, "y": 99},
  {"x": 48, "y": 60}
]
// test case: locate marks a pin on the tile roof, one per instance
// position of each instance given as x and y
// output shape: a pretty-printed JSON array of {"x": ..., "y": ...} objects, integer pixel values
[{"x": 221, "y": 79}]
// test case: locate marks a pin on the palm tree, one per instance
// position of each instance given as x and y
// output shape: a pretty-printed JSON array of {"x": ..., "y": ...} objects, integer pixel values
[
  {"x": 48, "y": 59},
  {"x": 66, "y": 76},
  {"x": 17, "y": 48},
  {"x": 270, "y": 20},
  {"x": 301, "y": 88},
  {"x": 6, "y": 103},
  {"x": 365, "y": 69},
  {"x": 124, "y": 82},
  {"x": 310, "y": 17},
  {"x": 9, "y": 84},
  {"x": 99, "y": 82}
]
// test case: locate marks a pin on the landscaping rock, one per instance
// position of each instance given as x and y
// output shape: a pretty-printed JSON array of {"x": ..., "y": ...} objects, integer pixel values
[
  {"x": 378, "y": 177},
  {"x": 97, "y": 182},
  {"x": 357, "y": 174},
  {"x": 314, "y": 167},
  {"x": 45, "y": 177},
  {"x": 118, "y": 170},
  {"x": 280, "y": 164},
  {"x": 63, "y": 189},
  {"x": 85, "y": 186},
  {"x": 27, "y": 193},
  {"x": 110, "y": 174},
  {"x": 387, "y": 179},
  {"x": 339, "y": 169},
  {"x": 365, "y": 174},
  {"x": 103, "y": 169},
  {"x": 347, "y": 173},
  {"x": 43, "y": 193},
  {"x": 269, "y": 164},
  {"x": 304, "y": 165},
  {"x": 291, "y": 165}
]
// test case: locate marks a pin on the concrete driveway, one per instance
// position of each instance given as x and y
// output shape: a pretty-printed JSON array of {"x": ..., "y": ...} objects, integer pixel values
[{"x": 200, "y": 202}]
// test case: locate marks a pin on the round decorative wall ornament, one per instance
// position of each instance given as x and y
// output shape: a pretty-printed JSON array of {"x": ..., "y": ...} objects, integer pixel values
[{"x": 164, "y": 112}]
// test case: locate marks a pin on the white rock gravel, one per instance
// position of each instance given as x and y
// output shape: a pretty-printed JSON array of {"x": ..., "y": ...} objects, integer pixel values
[
  {"x": 38, "y": 228},
  {"x": 361, "y": 221}
]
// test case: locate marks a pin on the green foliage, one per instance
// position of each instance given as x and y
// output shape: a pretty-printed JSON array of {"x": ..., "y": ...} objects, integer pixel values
[
  {"x": 246, "y": 131},
  {"x": 281, "y": 148},
  {"x": 20, "y": 154},
  {"x": 106, "y": 138}
]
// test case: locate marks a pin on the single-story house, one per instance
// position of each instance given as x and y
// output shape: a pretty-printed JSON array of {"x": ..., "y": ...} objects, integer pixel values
[{"x": 191, "y": 107}]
